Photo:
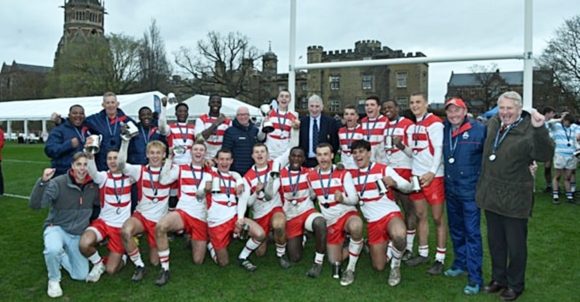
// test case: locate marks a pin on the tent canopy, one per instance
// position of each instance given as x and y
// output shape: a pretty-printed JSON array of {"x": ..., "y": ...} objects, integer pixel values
[
  {"x": 198, "y": 105},
  {"x": 36, "y": 110}
]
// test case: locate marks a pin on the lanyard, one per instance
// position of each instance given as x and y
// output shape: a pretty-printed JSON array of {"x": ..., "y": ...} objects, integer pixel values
[
  {"x": 80, "y": 134},
  {"x": 325, "y": 190},
  {"x": 417, "y": 127},
  {"x": 452, "y": 143},
  {"x": 146, "y": 137},
  {"x": 369, "y": 129},
  {"x": 113, "y": 131},
  {"x": 258, "y": 175},
  {"x": 183, "y": 136},
  {"x": 282, "y": 124},
  {"x": 362, "y": 192},
  {"x": 391, "y": 133},
  {"x": 228, "y": 187},
  {"x": 294, "y": 187},
  {"x": 195, "y": 179},
  {"x": 115, "y": 190},
  {"x": 349, "y": 139},
  {"x": 152, "y": 183},
  {"x": 566, "y": 133},
  {"x": 498, "y": 140}
]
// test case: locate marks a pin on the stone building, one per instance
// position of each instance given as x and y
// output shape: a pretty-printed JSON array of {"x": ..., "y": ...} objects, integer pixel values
[
  {"x": 341, "y": 86},
  {"x": 22, "y": 81},
  {"x": 481, "y": 90}
]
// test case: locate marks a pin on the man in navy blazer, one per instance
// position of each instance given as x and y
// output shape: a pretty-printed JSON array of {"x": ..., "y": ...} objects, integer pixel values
[{"x": 316, "y": 123}]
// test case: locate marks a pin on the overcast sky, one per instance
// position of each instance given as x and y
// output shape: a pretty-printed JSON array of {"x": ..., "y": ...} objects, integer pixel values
[{"x": 30, "y": 30}]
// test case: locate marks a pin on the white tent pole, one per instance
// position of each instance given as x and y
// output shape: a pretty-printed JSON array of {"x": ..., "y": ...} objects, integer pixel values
[
  {"x": 9, "y": 129},
  {"x": 292, "y": 59},
  {"x": 528, "y": 56},
  {"x": 25, "y": 130},
  {"x": 44, "y": 132}
]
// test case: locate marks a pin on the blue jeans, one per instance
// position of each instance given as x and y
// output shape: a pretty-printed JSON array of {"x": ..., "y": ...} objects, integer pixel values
[{"x": 62, "y": 249}]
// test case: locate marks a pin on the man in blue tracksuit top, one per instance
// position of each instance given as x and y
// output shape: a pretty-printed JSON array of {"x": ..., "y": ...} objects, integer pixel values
[
  {"x": 462, "y": 151},
  {"x": 148, "y": 132},
  {"x": 107, "y": 123}
]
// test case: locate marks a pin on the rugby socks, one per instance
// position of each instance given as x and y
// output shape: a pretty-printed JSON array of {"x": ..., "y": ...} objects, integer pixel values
[
  {"x": 424, "y": 250},
  {"x": 251, "y": 245},
  {"x": 396, "y": 257},
  {"x": 135, "y": 257},
  {"x": 389, "y": 251},
  {"x": 410, "y": 239},
  {"x": 319, "y": 258},
  {"x": 164, "y": 259},
  {"x": 570, "y": 196},
  {"x": 280, "y": 250},
  {"x": 354, "y": 249},
  {"x": 555, "y": 194},
  {"x": 440, "y": 255},
  {"x": 95, "y": 258},
  {"x": 211, "y": 251}
]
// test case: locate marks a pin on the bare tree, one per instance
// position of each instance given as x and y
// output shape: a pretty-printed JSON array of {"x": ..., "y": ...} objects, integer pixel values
[
  {"x": 563, "y": 56},
  {"x": 490, "y": 81},
  {"x": 155, "y": 69},
  {"x": 219, "y": 64},
  {"x": 126, "y": 68}
]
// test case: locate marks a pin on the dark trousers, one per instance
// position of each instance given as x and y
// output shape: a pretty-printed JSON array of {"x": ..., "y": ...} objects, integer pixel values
[
  {"x": 1, "y": 180},
  {"x": 507, "y": 239}
]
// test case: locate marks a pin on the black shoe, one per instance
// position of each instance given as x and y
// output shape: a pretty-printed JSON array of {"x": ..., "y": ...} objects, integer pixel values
[
  {"x": 548, "y": 189},
  {"x": 314, "y": 271},
  {"x": 509, "y": 295},
  {"x": 247, "y": 265},
  {"x": 284, "y": 262},
  {"x": 407, "y": 256},
  {"x": 556, "y": 201},
  {"x": 163, "y": 278},
  {"x": 417, "y": 261},
  {"x": 436, "y": 268},
  {"x": 336, "y": 270},
  {"x": 138, "y": 274},
  {"x": 493, "y": 287}
]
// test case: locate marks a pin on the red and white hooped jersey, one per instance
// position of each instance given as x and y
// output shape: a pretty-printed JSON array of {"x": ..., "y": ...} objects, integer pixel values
[
  {"x": 181, "y": 134},
  {"x": 191, "y": 179},
  {"x": 153, "y": 196},
  {"x": 279, "y": 140},
  {"x": 373, "y": 132},
  {"x": 214, "y": 142},
  {"x": 345, "y": 138},
  {"x": 115, "y": 195},
  {"x": 294, "y": 187},
  {"x": 373, "y": 205},
  {"x": 260, "y": 207},
  {"x": 426, "y": 140},
  {"x": 325, "y": 184},
  {"x": 395, "y": 157},
  {"x": 223, "y": 206}
]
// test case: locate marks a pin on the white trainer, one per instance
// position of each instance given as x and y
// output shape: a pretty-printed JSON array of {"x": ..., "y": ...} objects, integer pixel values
[
  {"x": 96, "y": 272},
  {"x": 395, "y": 276},
  {"x": 54, "y": 290}
]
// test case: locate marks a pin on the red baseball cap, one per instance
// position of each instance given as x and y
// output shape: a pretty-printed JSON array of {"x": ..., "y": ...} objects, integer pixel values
[{"x": 455, "y": 101}]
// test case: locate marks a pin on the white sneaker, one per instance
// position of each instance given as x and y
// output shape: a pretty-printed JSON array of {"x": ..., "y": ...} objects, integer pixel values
[
  {"x": 96, "y": 272},
  {"x": 395, "y": 276},
  {"x": 54, "y": 290}
]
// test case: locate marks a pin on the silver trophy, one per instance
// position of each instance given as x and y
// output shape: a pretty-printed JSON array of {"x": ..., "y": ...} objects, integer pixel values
[
  {"x": 130, "y": 130},
  {"x": 577, "y": 153},
  {"x": 94, "y": 145},
  {"x": 179, "y": 150},
  {"x": 382, "y": 188},
  {"x": 215, "y": 186},
  {"x": 267, "y": 126},
  {"x": 415, "y": 183},
  {"x": 275, "y": 172}
]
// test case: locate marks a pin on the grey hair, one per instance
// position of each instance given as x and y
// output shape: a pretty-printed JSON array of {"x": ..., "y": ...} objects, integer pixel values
[
  {"x": 315, "y": 98},
  {"x": 242, "y": 107},
  {"x": 512, "y": 95}
]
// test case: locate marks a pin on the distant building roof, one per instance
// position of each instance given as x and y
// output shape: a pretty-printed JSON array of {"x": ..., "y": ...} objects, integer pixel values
[
  {"x": 25, "y": 67},
  {"x": 471, "y": 79}
]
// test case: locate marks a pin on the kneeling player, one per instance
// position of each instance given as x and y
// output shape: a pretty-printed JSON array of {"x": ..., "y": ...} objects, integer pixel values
[
  {"x": 193, "y": 182},
  {"x": 300, "y": 212},
  {"x": 336, "y": 195},
  {"x": 224, "y": 218},
  {"x": 115, "y": 189},
  {"x": 381, "y": 212}
]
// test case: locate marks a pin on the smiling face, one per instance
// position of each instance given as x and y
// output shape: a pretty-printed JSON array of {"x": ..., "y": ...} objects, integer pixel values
[
  {"x": 372, "y": 108},
  {"x": 198, "y": 153},
  {"x": 509, "y": 111},
  {"x": 455, "y": 114},
  {"x": 350, "y": 116},
  {"x": 418, "y": 105},
  {"x": 283, "y": 100},
  {"x": 155, "y": 155},
  {"x": 79, "y": 167},
  {"x": 110, "y": 104},
  {"x": 215, "y": 105},
  {"x": 224, "y": 161},
  {"x": 324, "y": 157},
  {"x": 390, "y": 110},
  {"x": 182, "y": 113},
  {"x": 260, "y": 155},
  {"x": 112, "y": 161},
  {"x": 76, "y": 115},
  {"x": 362, "y": 157},
  {"x": 145, "y": 117},
  {"x": 314, "y": 108},
  {"x": 296, "y": 158}
]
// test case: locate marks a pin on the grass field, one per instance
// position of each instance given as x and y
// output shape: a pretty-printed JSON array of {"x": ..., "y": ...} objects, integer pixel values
[{"x": 553, "y": 272}]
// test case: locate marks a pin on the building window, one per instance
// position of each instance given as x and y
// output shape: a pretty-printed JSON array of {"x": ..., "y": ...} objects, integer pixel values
[
  {"x": 367, "y": 82},
  {"x": 403, "y": 102},
  {"x": 334, "y": 82},
  {"x": 334, "y": 106},
  {"x": 401, "y": 80},
  {"x": 303, "y": 103}
]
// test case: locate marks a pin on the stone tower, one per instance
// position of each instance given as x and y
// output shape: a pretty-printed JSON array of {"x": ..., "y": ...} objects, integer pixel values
[{"x": 83, "y": 20}]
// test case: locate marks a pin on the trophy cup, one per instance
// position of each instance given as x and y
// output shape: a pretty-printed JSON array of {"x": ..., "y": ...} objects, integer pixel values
[
  {"x": 215, "y": 186},
  {"x": 415, "y": 183},
  {"x": 275, "y": 173},
  {"x": 388, "y": 142},
  {"x": 381, "y": 186},
  {"x": 267, "y": 126},
  {"x": 129, "y": 131},
  {"x": 179, "y": 150},
  {"x": 95, "y": 144}
]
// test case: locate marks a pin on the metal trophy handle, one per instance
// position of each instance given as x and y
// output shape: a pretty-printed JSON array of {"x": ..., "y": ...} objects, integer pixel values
[
  {"x": 130, "y": 130},
  {"x": 275, "y": 172},
  {"x": 179, "y": 150},
  {"x": 215, "y": 186},
  {"x": 94, "y": 145},
  {"x": 266, "y": 125},
  {"x": 381, "y": 186},
  {"x": 415, "y": 183}
]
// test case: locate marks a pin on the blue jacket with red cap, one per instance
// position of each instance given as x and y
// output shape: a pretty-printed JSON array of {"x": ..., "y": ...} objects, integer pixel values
[{"x": 467, "y": 144}]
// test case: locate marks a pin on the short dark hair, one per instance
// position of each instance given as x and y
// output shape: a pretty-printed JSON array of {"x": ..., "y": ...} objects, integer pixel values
[
  {"x": 325, "y": 145},
  {"x": 180, "y": 105},
  {"x": 75, "y": 106},
  {"x": 393, "y": 101},
  {"x": 224, "y": 150},
  {"x": 419, "y": 93},
  {"x": 374, "y": 97},
  {"x": 548, "y": 109},
  {"x": 211, "y": 96},
  {"x": 296, "y": 148},
  {"x": 350, "y": 106},
  {"x": 78, "y": 155},
  {"x": 260, "y": 145},
  {"x": 569, "y": 117},
  {"x": 143, "y": 108},
  {"x": 361, "y": 144}
]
